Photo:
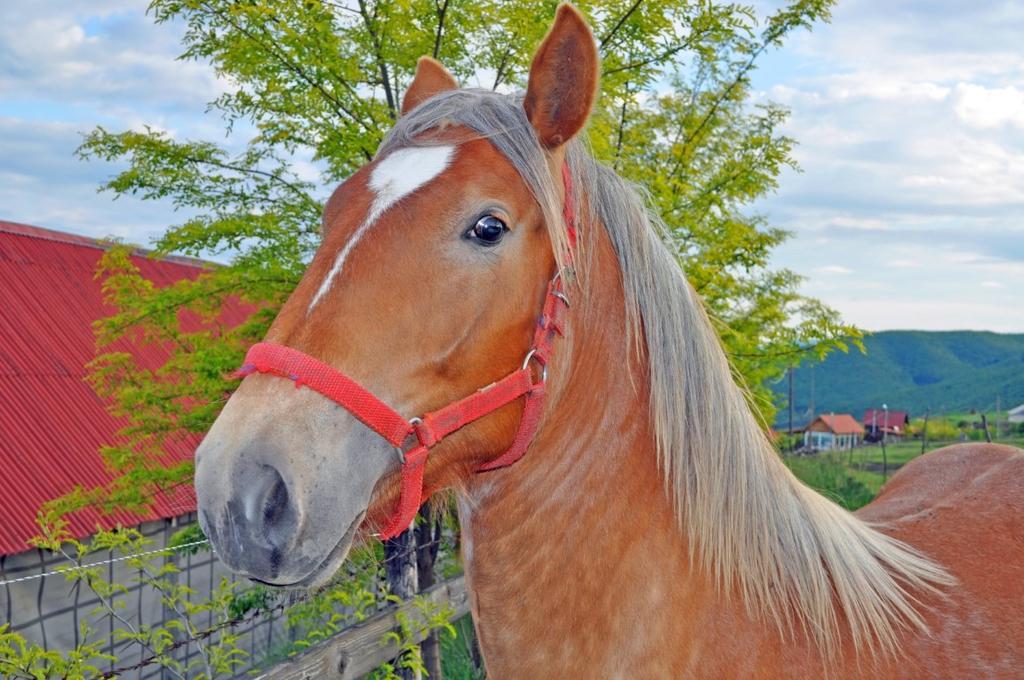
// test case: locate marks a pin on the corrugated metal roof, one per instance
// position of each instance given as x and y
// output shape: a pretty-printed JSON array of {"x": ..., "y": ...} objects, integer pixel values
[{"x": 51, "y": 422}]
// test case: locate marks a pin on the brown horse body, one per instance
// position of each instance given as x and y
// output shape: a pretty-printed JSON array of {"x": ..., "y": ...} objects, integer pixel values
[
  {"x": 577, "y": 568},
  {"x": 650, "y": 531},
  {"x": 592, "y": 602}
]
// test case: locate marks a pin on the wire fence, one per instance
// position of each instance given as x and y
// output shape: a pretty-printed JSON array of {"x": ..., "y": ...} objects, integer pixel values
[
  {"x": 100, "y": 563},
  {"x": 270, "y": 610},
  {"x": 38, "y": 608}
]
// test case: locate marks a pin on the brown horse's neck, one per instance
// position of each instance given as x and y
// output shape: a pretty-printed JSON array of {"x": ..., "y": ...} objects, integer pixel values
[{"x": 575, "y": 550}]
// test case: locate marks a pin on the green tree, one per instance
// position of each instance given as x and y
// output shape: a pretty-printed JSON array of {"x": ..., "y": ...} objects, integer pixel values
[{"x": 675, "y": 116}]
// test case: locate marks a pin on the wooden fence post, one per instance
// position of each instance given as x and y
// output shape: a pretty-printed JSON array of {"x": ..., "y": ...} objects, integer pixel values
[
  {"x": 428, "y": 542},
  {"x": 356, "y": 651},
  {"x": 984, "y": 426},
  {"x": 400, "y": 567},
  {"x": 885, "y": 460}
]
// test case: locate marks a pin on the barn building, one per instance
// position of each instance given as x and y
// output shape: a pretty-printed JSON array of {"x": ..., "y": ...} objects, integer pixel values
[
  {"x": 52, "y": 425},
  {"x": 879, "y": 422},
  {"x": 833, "y": 432}
]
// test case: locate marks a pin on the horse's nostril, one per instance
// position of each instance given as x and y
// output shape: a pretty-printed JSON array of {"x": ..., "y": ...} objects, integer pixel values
[
  {"x": 276, "y": 505},
  {"x": 265, "y": 510},
  {"x": 260, "y": 523}
]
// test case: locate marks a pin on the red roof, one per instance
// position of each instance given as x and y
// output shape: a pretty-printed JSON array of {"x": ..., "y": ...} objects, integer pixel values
[
  {"x": 892, "y": 421},
  {"x": 841, "y": 423},
  {"x": 51, "y": 422}
]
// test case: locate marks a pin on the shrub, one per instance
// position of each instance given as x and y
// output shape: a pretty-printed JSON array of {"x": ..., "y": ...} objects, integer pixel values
[{"x": 827, "y": 475}]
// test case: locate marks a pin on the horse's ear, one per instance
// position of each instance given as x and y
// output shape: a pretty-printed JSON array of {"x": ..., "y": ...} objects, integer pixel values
[
  {"x": 563, "y": 79},
  {"x": 431, "y": 78}
]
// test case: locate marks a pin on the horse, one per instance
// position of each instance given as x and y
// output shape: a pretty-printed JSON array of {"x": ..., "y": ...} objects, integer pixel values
[{"x": 623, "y": 513}]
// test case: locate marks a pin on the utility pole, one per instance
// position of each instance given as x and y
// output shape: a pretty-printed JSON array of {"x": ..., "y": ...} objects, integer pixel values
[
  {"x": 792, "y": 443},
  {"x": 885, "y": 423},
  {"x": 812, "y": 392},
  {"x": 924, "y": 432},
  {"x": 997, "y": 416}
]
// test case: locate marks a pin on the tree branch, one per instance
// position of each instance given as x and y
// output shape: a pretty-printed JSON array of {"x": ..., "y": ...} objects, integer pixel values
[
  {"x": 650, "y": 60},
  {"x": 769, "y": 38},
  {"x": 294, "y": 188},
  {"x": 378, "y": 54},
  {"x": 442, "y": 10},
  {"x": 504, "y": 62},
  {"x": 719, "y": 185},
  {"x": 622, "y": 126},
  {"x": 619, "y": 24},
  {"x": 772, "y": 355},
  {"x": 111, "y": 611},
  {"x": 120, "y": 328},
  {"x": 316, "y": 84},
  {"x": 190, "y": 628}
]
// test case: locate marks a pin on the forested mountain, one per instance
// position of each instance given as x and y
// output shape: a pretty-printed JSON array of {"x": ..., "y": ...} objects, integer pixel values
[{"x": 947, "y": 372}]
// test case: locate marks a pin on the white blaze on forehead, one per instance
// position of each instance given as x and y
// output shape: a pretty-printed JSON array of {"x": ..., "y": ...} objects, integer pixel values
[
  {"x": 405, "y": 170},
  {"x": 399, "y": 174}
]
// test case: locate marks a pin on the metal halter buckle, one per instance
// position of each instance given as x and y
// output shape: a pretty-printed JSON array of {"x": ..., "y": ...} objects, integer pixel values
[
  {"x": 532, "y": 354},
  {"x": 413, "y": 422}
]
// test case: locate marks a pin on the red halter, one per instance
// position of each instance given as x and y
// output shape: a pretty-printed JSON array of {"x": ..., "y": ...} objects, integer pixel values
[{"x": 432, "y": 427}]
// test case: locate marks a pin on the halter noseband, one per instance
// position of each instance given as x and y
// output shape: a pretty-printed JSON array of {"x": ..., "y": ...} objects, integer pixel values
[{"x": 431, "y": 428}]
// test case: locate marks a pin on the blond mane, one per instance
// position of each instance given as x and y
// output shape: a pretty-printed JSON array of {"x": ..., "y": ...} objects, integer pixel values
[{"x": 793, "y": 556}]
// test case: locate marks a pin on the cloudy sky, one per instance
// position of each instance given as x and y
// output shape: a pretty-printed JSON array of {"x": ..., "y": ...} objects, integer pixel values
[{"x": 908, "y": 212}]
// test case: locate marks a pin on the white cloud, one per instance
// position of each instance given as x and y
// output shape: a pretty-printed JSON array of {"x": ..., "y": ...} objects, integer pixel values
[
  {"x": 909, "y": 118},
  {"x": 910, "y": 123},
  {"x": 904, "y": 264},
  {"x": 67, "y": 67},
  {"x": 983, "y": 107},
  {"x": 41, "y": 183},
  {"x": 47, "y": 53},
  {"x": 881, "y": 86},
  {"x": 880, "y": 313},
  {"x": 865, "y": 223},
  {"x": 927, "y": 283},
  {"x": 833, "y": 269}
]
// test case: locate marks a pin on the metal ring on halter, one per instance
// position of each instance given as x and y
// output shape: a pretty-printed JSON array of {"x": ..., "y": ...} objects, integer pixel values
[
  {"x": 532, "y": 354},
  {"x": 561, "y": 296},
  {"x": 398, "y": 449}
]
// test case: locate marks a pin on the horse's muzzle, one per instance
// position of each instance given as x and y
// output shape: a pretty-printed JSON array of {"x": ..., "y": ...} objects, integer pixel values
[{"x": 258, "y": 525}]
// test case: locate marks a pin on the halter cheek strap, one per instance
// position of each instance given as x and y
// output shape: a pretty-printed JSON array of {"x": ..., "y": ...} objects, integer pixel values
[{"x": 429, "y": 429}]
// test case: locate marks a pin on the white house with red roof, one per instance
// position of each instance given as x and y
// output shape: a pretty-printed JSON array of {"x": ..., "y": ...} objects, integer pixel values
[{"x": 835, "y": 431}]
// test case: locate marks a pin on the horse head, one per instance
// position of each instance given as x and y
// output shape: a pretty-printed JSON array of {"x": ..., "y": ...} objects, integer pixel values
[{"x": 434, "y": 263}]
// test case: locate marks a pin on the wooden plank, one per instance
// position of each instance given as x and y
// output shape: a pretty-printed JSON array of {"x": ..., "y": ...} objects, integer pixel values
[{"x": 356, "y": 651}]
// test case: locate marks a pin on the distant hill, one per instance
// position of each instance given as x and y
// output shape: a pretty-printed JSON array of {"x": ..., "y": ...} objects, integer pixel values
[{"x": 947, "y": 372}]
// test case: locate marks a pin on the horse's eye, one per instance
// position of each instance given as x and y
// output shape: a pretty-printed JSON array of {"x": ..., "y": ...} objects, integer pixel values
[{"x": 488, "y": 230}]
